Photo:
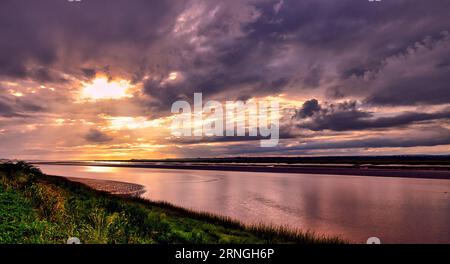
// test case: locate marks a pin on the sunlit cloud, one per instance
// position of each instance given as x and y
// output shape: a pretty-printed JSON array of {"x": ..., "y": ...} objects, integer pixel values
[
  {"x": 101, "y": 88},
  {"x": 125, "y": 122},
  {"x": 15, "y": 93}
]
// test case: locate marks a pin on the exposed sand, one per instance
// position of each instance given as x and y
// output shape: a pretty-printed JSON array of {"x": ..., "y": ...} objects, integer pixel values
[{"x": 113, "y": 187}]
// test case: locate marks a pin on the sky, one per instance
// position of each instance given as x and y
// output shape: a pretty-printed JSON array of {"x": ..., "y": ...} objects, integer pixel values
[{"x": 96, "y": 79}]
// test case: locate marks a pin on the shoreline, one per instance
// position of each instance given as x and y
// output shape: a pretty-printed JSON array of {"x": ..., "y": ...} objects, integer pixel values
[
  {"x": 110, "y": 186},
  {"x": 403, "y": 172}
]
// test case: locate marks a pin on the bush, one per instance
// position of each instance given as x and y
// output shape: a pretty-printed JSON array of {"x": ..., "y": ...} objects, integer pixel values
[
  {"x": 48, "y": 200},
  {"x": 19, "y": 174}
]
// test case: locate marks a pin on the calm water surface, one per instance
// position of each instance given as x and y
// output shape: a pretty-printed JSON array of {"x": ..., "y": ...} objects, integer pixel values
[{"x": 393, "y": 209}]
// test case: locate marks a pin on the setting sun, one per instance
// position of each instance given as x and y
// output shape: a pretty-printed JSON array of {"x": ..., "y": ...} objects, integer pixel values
[{"x": 101, "y": 88}]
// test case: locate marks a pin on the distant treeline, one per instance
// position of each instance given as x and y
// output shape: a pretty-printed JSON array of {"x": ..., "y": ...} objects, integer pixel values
[{"x": 375, "y": 160}]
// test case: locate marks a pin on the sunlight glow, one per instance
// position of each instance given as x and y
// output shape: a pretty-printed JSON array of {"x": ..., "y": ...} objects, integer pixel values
[
  {"x": 173, "y": 76},
  {"x": 101, "y": 88},
  {"x": 100, "y": 169},
  {"x": 125, "y": 122},
  {"x": 15, "y": 93}
]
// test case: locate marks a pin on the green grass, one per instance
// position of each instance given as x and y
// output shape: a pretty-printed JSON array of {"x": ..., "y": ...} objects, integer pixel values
[
  {"x": 19, "y": 222},
  {"x": 35, "y": 208}
]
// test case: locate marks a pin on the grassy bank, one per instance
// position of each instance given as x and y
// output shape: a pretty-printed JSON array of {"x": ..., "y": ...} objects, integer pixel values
[{"x": 35, "y": 208}]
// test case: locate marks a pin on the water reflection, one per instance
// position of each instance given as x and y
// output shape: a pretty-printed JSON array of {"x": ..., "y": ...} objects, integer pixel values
[
  {"x": 99, "y": 169},
  {"x": 393, "y": 209}
]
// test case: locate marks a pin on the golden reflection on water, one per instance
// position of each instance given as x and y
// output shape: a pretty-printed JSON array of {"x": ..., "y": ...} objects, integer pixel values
[{"x": 99, "y": 169}]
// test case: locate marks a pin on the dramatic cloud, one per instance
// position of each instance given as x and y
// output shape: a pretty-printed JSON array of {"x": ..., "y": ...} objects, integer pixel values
[
  {"x": 421, "y": 76},
  {"x": 347, "y": 116},
  {"x": 309, "y": 108},
  {"x": 371, "y": 67}
]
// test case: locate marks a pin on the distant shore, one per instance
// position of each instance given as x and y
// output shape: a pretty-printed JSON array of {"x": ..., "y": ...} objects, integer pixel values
[{"x": 379, "y": 171}]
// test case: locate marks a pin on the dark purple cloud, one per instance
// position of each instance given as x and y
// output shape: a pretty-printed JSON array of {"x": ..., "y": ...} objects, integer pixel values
[
  {"x": 40, "y": 36},
  {"x": 347, "y": 116},
  {"x": 239, "y": 46},
  {"x": 97, "y": 136}
]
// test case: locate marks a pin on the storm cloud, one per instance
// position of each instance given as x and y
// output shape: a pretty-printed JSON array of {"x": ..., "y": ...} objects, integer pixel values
[
  {"x": 347, "y": 116},
  {"x": 342, "y": 67},
  {"x": 239, "y": 46}
]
